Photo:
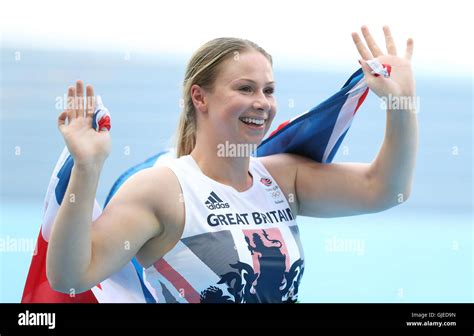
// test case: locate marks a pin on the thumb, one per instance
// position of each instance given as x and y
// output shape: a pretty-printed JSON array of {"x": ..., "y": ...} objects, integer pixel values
[
  {"x": 62, "y": 120},
  {"x": 365, "y": 68}
]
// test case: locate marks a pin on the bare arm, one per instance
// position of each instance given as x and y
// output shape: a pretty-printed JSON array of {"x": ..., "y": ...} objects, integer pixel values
[
  {"x": 324, "y": 190},
  {"x": 345, "y": 189},
  {"x": 70, "y": 248},
  {"x": 393, "y": 167},
  {"x": 80, "y": 254}
]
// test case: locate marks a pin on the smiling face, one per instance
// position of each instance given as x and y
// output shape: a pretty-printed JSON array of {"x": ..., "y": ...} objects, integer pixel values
[{"x": 240, "y": 106}]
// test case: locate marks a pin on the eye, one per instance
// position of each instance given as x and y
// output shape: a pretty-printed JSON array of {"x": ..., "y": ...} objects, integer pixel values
[
  {"x": 269, "y": 91},
  {"x": 245, "y": 88}
]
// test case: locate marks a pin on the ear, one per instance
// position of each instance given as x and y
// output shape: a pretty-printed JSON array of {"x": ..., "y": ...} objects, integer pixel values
[{"x": 198, "y": 95}]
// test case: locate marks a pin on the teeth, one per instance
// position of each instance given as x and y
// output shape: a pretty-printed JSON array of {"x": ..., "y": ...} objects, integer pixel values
[{"x": 253, "y": 121}]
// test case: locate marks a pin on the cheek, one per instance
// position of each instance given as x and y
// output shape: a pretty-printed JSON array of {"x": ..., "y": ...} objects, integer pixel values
[
  {"x": 273, "y": 111},
  {"x": 234, "y": 106},
  {"x": 271, "y": 117},
  {"x": 225, "y": 115}
]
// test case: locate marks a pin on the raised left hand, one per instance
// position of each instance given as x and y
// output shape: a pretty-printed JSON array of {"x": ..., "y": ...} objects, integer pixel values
[{"x": 401, "y": 82}]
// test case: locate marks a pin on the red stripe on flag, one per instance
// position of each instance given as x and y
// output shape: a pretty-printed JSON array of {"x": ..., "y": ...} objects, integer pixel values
[
  {"x": 180, "y": 283},
  {"x": 283, "y": 124},
  {"x": 37, "y": 288},
  {"x": 360, "y": 101}
]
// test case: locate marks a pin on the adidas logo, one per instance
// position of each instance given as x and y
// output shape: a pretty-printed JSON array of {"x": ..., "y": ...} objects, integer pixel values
[{"x": 214, "y": 202}]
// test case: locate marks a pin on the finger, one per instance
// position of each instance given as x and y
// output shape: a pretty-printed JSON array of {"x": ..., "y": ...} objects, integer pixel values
[
  {"x": 80, "y": 99},
  {"x": 374, "y": 49},
  {"x": 363, "y": 51},
  {"x": 70, "y": 105},
  {"x": 409, "y": 51},
  {"x": 90, "y": 101},
  {"x": 391, "y": 49},
  {"x": 62, "y": 120}
]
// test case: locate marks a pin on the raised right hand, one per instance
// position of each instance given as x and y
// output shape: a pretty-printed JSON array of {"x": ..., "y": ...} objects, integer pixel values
[{"x": 86, "y": 145}]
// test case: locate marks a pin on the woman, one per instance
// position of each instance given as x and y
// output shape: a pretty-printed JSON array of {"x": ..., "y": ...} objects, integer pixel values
[{"x": 213, "y": 225}]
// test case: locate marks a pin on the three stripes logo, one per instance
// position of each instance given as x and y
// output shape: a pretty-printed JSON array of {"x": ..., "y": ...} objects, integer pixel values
[{"x": 214, "y": 202}]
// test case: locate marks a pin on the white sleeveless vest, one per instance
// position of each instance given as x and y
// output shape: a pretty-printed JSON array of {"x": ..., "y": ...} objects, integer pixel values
[{"x": 241, "y": 247}]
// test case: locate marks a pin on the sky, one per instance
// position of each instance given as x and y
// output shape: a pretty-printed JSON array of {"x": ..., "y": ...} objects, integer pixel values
[{"x": 297, "y": 33}]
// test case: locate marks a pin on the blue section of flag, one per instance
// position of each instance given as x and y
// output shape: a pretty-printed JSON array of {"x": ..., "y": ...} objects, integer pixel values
[
  {"x": 309, "y": 134},
  {"x": 145, "y": 164},
  {"x": 146, "y": 293},
  {"x": 63, "y": 175}
]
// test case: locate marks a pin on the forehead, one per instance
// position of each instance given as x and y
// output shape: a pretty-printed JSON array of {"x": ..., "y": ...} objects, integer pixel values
[{"x": 249, "y": 64}]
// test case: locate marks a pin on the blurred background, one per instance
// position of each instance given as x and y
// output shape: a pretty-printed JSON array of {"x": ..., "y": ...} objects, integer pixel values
[{"x": 135, "y": 55}]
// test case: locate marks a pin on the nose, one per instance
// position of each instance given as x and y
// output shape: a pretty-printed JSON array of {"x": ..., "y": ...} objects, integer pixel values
[{"x": 261, "y": 102}]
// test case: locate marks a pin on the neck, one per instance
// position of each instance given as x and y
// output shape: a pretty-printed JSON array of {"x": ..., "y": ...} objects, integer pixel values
[{"x": 229, "y": 170}]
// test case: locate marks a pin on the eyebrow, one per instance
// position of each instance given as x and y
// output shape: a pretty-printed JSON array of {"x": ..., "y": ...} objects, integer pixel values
[{"x": 250, "y": 80}]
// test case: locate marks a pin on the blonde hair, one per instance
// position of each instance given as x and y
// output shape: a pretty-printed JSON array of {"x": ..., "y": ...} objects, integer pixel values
[{"x": 202, "y": 70}]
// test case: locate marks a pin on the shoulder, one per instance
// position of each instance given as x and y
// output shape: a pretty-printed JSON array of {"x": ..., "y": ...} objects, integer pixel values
[
  {"x": 162, "y": 189},
  {"x": 156, "y": 188},
  {"x": 279, "y": 160},
  {"x": 284, "y": 165},
  {"x": 287, "y": 164},
  {"x": 147, "y": 183}
]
